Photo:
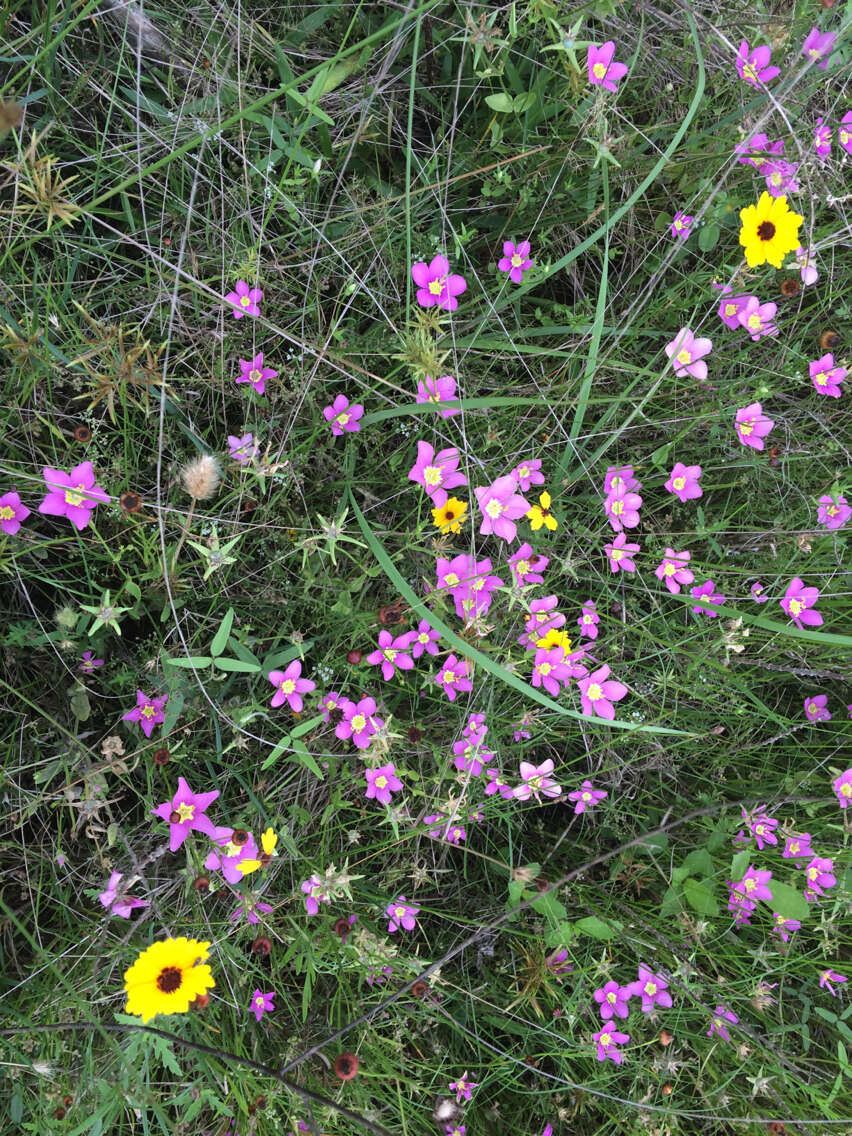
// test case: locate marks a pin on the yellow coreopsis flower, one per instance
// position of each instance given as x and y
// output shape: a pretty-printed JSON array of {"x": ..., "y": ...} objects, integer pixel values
[
  {"x": 451, "y": 515},
  {"x": 769, "y": 231},
  {"x": 268, "y": 841},
  {"x": 540, "y": 514},
  {"x": 555, "y": 638},
  {"x": 167, "y": 977}
]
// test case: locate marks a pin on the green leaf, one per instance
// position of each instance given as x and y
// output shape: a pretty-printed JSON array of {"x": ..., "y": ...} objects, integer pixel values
[
  {"x": 700, "y": 862},
  {"x": 194, "y": 662},
  {"x": 501, "y": 102},
  {"x": 304, "y": 757},
  {"x": 276, "y": 752},
  {"x": 788, "y": 901},
  {"x": 671, "y": 901},
  {"x": 738, "y": 865},
  {"x": 522, "y": 103},
  {"x": 708, "y": 236},
  {"x": 699, "y": 897},
  {"x": 174, "y": 706},
  {"x": 306, "y": 727},
  {"x": 80, "y": 707},
  {"x": 226, "y": 664},
  {"x": 595, "y": 927},
  {"x": 550, "y": 907},
  {"x": 221, "y": 636},
  {"x": 560, "y": 936}
]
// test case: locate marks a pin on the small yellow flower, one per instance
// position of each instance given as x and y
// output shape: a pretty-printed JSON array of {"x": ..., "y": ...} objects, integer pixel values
[
  {"x": 769, "y": 231},
  {"x": 555, "y": 638},
  {"x": 451, "y": 516},
  {"x": 540, "y": 514},
  {"x": 167, "y": 977},
  {"x": 268, "y": 841}
]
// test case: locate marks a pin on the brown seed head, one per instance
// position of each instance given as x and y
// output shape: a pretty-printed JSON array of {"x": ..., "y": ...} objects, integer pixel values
[
  {"x": 790, "y": 287},
  {"x": 174, "y": 817},
  {"x": 415, "y": 735},
  {"x": 201, "y": 883},
  {"x": 200, "y": 477},
  {"x": 346, "y": 1066},
  {"x": 130, "y": 502},
  {"x": 67, "y": 1100},
  {"x": 829, "y": 340},
  {"x": 162, "y": 757},
  {"x": 200, "y": 1002},
  {"x": 261, "y": 946},
  {"x": 666, "y": 1038},
  {"x": 11, "y": 115},
  {"x": 353, "y": 658},
  {"x": 420, "y": 989},
  {"x": 239, "y": 837},
  {"x": 667, "y": 1090},
  {"x": 341, "y": 926},
  {"x": 82, "y": 434},
  {"x": 59, "y": 1113}
]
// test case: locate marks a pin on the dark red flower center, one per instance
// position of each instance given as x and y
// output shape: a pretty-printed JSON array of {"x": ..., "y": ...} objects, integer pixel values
[
  {"x": 169, "y": 979},
  {"x": 766, "y": 230},
  {"x": 174, "y": 817}
]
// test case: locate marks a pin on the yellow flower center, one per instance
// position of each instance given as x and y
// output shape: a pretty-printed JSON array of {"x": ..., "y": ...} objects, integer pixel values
[
  {"x": 390, "y": 654},
  {"x": 749, "y": 73},
  {"x": 358, "y": 723},
  {"x": 6, "y": 512},
  {"x": 794, "y": 844},
  {"x": 611, "y": 997},
  {"x": 259, "y": 1001},
  {"x": 679, "y": 482},
  {"x": 342, "y": 418},
  {"x": 544, "y": 668},
  {"x": 423, "y": 637},
  {"x": 522, "y": 567},
  {"x": 432, "y": 474},
  {"x": 730, "y": 309},
  {"x": 669, "y": 570},
  {"x": 776, "y": 178},
  {"x": 185, "y": 812},
  {"x": 381, "y": 782},
  {"x": 832, "y": 510},
  {"x": 451, "y": 578},
  {"x": 750, "y": 885},
  {"x": 846, "y": 789},
  {"x": 754, "y": 322},
  {"x": 684, "y": 356},
  {"x": 436, "y": 286},
  {"x": 598, "y": 70},
  {"x": 231, "y": 849},
  {"x": 244, "y": 301},
  {"x": 813, "y": 709},
  {"x": 605, "y": 1039},
  {"x": 148, "y": 711},
  {"x": 594, "y": 693},
  {"x": 517, "y": 261},
  {"x": 287, "y": 686},
  {"x": 617, "y": 508},
  {"x": 74, "y": 498},
  {"x": 523, "y": 471},
  {"x": 535, "y": 782},
  {"x": 255, "y": 375},
  {"x": 650, "y": 988},
  {"x": 449, "y": 676},
  {"x": 747, "y": 426},
  {"x": 587, "y": 797},
  {"x": 399, "y": 912},
  {"x": 494, "y": 508},
  {"x": 678, "y": 225},
  {"x": 796, "y": 607},
  {"x": 844, "y": 136},
  {"x": 587, "y": 619},
  {"x": 821, "y": 378},
  {"x": 813, "y": 873},
  {"x": 616, "y": 554}
]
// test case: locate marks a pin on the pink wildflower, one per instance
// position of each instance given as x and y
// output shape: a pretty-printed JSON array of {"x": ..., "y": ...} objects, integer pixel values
[
  {"x": 331, "y": 702},
  {"x": 620, "y": 479},
  {"x": 622, "y": 509},
  {"x": 730, "y": 308},
  {"x": 826, "y": 977},
  {"x": 651, "y": 988},
  {"x": 826, "y": 375},
  {"x": 425, "y": 638},
  {"x": 253, "y": 371},
  {"x": 437, "y": 472},
  {"x": 528, "y": 473},
  {"x": 89, "y": 663},
  {"x": 762, "y": 828},
  {"x": 401, "y": 914},
  {"x": 843, "y": 788},
  {"x": 598, "y": 692},
  {"x": 816, "y": 708},
  {"x": 359, "y": 722},
  {"x": 438, "y": 391},
  {"x": 706, "y": 591},
  {"x": 798, "y": 604},
  {"x": 798, "y": 847},
  {"x": 844, "y": 132},
  {"x": 613, "y": 1000},
  {"x": 342, "y": 416},
  {"x": 608, "y": 1040},
  {"x": 515, "y": 260},
  {"x": 603, "y": 71},
  {"x": 469, "y": 583},
  {"x": 250, "y": 910},
  {"x": 262, "y": 1003},
  {"x": 391, "y": 654},
  {"x": 116, "y": 900},
  {"x": 586, "y": 797},
  {"x": 818, "y": 46},
  {"x": 290, "y": 687},
  {"x": 550, "y": 669},
  {"x": 244, "y": 300},
  {"x": 718, "y": 1027},
  {"x": 753, "y": 66},
  {"x": 228, "y": 855},
  {"x": 752, "y": 150},
  {"x": 780, "y": 177},
  {"x": 542, "y": 618},
  {"x": 315, "y": 893},
  {"x": 758, "y": 593},
  {"x": 783, "y": 924},
  {"x": 757, "y": 318},
  {"x": 501, "y": 506},
  {"x": 752, "y": 425},
  {"x": 536, "y": 779},
  {"x": 588, "y": 621},
  {"x": 462, "y": 1088},
  {"x": 185, "y": 813},
  {"x": 672, "y": 570},
  {"x": 819, "y": 874},
  {"x": 453, "y": 677},
  {"x": 527, "y": 566},
  {"x": 620, "y": 554},
  {"x": 148, "y": 712},
  {"x": 73, "y": 495},
  {"x": 496, "y": 784},
  {"x": 687, "y": 354},
  {"x": 12, "y": 513},
  {"x": 436, "y": 285},
  {"x": 681, "y": 225},
  {"x": 833, "y": 512},
  {"x": 242, "y": 448},
  {"x": 822, "y": 139},
  {"x": 381, "y": 783},
  {"x": 754, "y": 884},
  {"x": 805, "y": 262},
  {"x": 683, "y": 481}
]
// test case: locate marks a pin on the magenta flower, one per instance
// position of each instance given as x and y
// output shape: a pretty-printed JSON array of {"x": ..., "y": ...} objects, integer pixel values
[
  {"x": 818, "y": 46},
  {"x": 798, "y": 603},
  {"x": 753, "y": 66},
  {"x": 706, "y": 591},
  {"x": 359, "y": 722},
  {"x": 730, "y": 308},
  {"x": 148, "y": 712},
  {"x": 826, "y": 977},
  {"x": 315, "y": 893},
  {"x": 651, "y": 988},
  {"x": 501, "y": 506},
  {"x": 89, "y": 663},
  {"x": 833, "y": 512},
  {"x": 425, "y": 638},
  {"x": 742, "y": 907},
  {"x": 620, "y": 554},
  {"x": 527, "y": 565},
  {"x": 557, "y": 963},
  {"x": 752, "y": 150},
  {"x": 822, "y": 139},
  {"x": 550, "y": 669},
  {"x": 588, "y": 621},
  {"x": 672, "y": 570},
  {"x": 757, "y": 318},
  {"x": 437, "y": 472},
  {"x": 462, "y": 1088},
  {"x": 758, "y": 593},
  {"x": 244, "y": 300},
  {"x": 598, "y": 692},
  {"x": 608, "y": 1040},
  {"x": 844, "y": 132},
  {"x": 819, "y": 874},
  {"x": 185, "y": 812},
  {"x": 468, "y": 582},
  {"x": 12, "y": 513},
  {"x": 752, "y": 425},
  {"x": 762, "y": 828},
  {"x": 262, "y": 1003},
  {"x": 805, "y": 262},
  {"x": 436, "y": 285},
  {"x": 73, "y": 495},
  {"x": 798, "y": 847},
  {"x": 754, "y": 885},
  {"x": 827, "y": 376},
  {"x": 783, "y": 925},
  {"x": 620, "y": 479},
  {"x": 117, "y": 901},
  {"x": 843, "y": 788},
  {"x": 470, "y": 756},
  {"x": 536, "y": 779},
  {"x": 681, "y": 225},
  {"x": 496, "y": 784},
  {"x": 290, "y": 687},
  {"x": 391, "y": 654},
  {"x": 342, "y": 416},
  {"x": 613, "y": 1000},
  {"x": 780, "y": 177},
  {"x": 515, "y": 260},
  {"x": 381, "y": 783},
  {"x": 438, "y": 391},
  {"x": 453, "y": 677},
  {"x": 253, "y": 371},
  {"x": 528, "y": 473},
  {"x": 687, "y": 354},
  {"x": 401, "y": 914},
  {"x": 242, "y": 449},
  {"x": 816, "y": 709},
  {"x": 586, "y": 797},
  {"x": 250, "y": 910},
  {"x": 542, "y": 618},
  {"x": 718, "y": 1027},
  {"x": 227, "y": 856},
  {"x": 331, "y": 702},
  {"x": 683, "y": 481},
  {"x": 603, "y": 71},
  {"x": 622, "y": 509}
]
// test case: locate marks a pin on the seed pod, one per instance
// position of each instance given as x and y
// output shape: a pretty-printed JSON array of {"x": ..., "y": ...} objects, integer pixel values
[
  {"x": 353, "y": 658},
  {"x": 261, "y": 946},
  {"x": 202, "y": 883},
  {"x": 829, "y": 340},
  {"x": 346, "y": 1066}
]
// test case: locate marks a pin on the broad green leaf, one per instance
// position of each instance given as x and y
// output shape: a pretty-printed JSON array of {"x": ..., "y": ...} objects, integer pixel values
[
  {"x": 699, "y": 897},
  {"x": 194, "y": 662},
  {"x": 304, "y": 757},
  {"x": 708, "y": 236},
  {"x": 221, "y": 636},
  {"x": 276, "y": 752},
  {"x": 595, "y": 927},
  {"x": 700, "y": 862},
  {"x": 788, "y": 901},
  {"x": 226, "y": 664},
  {"x": 501, "y": 102},
  {"x": 738, "y": 866}
]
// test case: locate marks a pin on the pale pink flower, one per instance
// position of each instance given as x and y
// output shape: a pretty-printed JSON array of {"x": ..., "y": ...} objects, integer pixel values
[
  {"x": 683, "y": 481},
  {"x": 687, "y": 354},
  {"x": 598, "y": 692},
  {"x": 603, "y": 70},
  {"x": 620, "y": 554},
  {"x": 752, "y": 425},
  {"x": 536, "y": 779},
  {"x": 501, "y": 506},
  {"x": 244, "y": 300},
  {"x": 253, "y": 371},
  {"x": 672, "y": 570}
]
